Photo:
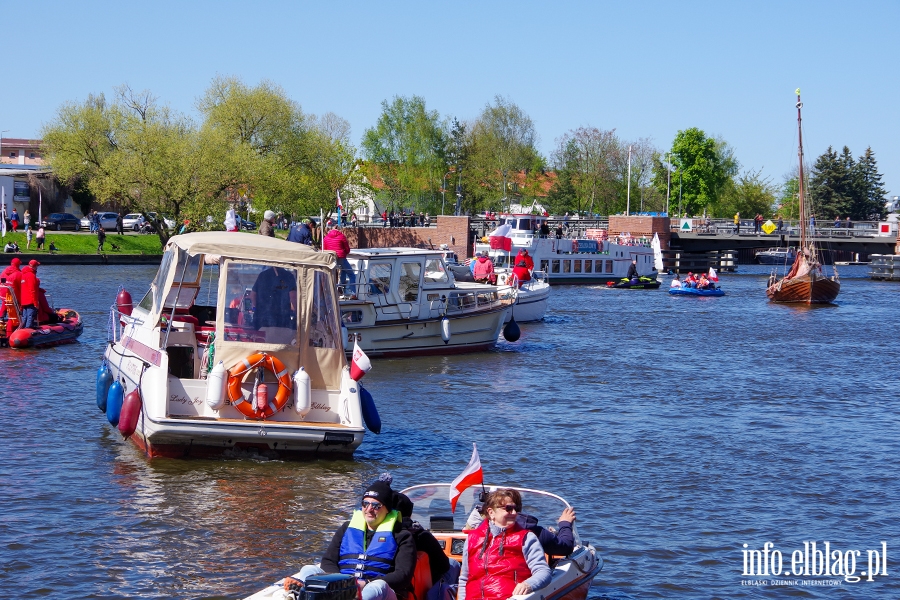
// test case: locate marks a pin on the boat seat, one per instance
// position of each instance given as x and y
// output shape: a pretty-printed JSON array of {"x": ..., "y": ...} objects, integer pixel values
[{"x": 421, "y": 581}]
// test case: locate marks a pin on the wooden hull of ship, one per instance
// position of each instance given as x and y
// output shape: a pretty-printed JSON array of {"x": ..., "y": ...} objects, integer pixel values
[{"x": 806, "y": 289}]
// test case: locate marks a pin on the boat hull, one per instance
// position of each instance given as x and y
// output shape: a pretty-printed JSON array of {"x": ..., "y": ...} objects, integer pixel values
[
  {"x": 531, "y": 303},
  {"x": 470, "y": 332},
  {"x": 775, "y": 259},
  {"x": 695, "y": 292},
  {"x": 808, "y": 289},
  {"x": 66, "y": 331}
]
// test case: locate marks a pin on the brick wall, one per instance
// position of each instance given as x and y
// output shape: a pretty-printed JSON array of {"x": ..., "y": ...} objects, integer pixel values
[
  {"x": 453, "y": 231},
  {"x": 641, "y": 226}
]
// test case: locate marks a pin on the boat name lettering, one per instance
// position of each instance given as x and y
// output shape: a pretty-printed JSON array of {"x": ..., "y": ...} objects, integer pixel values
[
  {"x": 317, "y": 406},
  {"x": 182, "y": 400}
]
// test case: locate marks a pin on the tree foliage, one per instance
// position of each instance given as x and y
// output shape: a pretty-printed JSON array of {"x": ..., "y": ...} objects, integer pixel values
[
  {"x": 840, "y": 186},
  {"x": 704, "y": 165}
]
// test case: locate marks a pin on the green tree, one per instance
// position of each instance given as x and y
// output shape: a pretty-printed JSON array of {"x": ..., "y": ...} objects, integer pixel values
[
  {"x": 586, "y": 159},
  {"x": 408, "y": 147},
  {"x": 749, "y": 194},
  {"x": 704, "y": 164},
  {"x": 787, "y": 203},
  {"x": 869, "y": 201},
  {"x": 502, "y": 142}
]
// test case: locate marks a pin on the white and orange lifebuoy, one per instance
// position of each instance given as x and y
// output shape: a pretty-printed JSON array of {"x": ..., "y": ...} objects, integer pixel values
[{"x": 236, "y": 377}]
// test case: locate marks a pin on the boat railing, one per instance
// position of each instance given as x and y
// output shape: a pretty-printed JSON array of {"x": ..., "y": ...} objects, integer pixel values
[{"x": 465, "y": 301}]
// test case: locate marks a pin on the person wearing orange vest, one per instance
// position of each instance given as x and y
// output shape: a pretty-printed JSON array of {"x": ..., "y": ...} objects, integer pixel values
[{"x": 501, "y": 558}]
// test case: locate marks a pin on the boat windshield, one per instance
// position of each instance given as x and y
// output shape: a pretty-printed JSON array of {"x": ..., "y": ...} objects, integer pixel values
[{"x": 432, "y": 504}]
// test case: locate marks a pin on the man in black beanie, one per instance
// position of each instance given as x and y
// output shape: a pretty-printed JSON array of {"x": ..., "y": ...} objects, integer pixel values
[{"x": 373, "y": 547}]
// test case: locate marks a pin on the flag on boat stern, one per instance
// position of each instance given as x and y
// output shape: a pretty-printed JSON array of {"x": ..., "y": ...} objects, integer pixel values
[
  {"x": 472, "y": 475},
  {"x": 359, "y": 364},
  {"x": 712, "y": 275}
]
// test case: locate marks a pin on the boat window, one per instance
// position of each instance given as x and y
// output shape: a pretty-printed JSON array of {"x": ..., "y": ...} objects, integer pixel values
[
  {"x": 587, "y": 266},
  {"x": 545, "y": 264},
  {"x": 609, "y": 266},
  {"x": 567, "y": 266},
  {"x": 409, "y": 281},
  {"x": 577, "y": 268},
  {"x": 352, "y": 316},
  {"x": 323, "y": 323},
  {"x": 555, "y": 264},
  {"x": 380, "y": 278},
  {"x": 598, "y": 266},
  {"x": 160, "y": 280},
  {"x": 525, "y": 224},
  {"x": 261, "y": 303},
  {"x": 435, "y": 271}
]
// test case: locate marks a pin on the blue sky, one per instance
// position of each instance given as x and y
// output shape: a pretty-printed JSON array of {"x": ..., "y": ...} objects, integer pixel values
[{"x": 646, "y": 69}]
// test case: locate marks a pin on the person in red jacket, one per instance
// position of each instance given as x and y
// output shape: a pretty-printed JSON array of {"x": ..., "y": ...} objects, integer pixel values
[
  {"x": 524, "y": 256},
  {"x": 521, "y": 272},
  {"x": 29, "y": 296},
  {"x": 501, "y": 558},
  {"x": 336, "y": 242},
  {"x": 484, "y": 269},
  {"x": 13, "y": 277}
]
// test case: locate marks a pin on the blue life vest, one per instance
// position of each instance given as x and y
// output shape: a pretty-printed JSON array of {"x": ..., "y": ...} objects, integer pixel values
[{"x": 375, "y": 560}]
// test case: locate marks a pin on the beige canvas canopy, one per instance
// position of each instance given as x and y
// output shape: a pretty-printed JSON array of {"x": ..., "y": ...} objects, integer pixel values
[{"x": 249, "y": 246}]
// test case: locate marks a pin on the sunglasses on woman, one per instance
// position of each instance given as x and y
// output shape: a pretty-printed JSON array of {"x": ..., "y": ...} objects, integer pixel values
[{"x": 508, "y": 508}]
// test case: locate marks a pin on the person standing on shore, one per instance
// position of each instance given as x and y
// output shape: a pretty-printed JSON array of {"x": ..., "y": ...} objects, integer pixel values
[
  {"x": 28, "y": 236},
  {"x": 14, "y": 220},
  {"x": 231, "y": 223},
  {"x": 120, "y": 226},
  {"x": 26, "y": 220},
  {"x": 101, "y": 237},
  {"x": 39, "y": 238},
  {"x": 737, "y": 222},
  {"x": 267, "y": 227}
]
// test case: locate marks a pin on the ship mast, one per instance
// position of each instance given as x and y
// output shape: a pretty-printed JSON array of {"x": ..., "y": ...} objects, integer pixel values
[{"x": 804, "y": 218}]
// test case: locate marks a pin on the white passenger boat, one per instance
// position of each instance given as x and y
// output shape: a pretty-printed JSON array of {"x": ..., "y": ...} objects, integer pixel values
[
  {"x": 406, "y": 302},
  {"x": 572, "y": 574},
  {"x": 235, "y": 348},
  {"x": 532, "y": 297},
  {"x": 570, "y": 261}
]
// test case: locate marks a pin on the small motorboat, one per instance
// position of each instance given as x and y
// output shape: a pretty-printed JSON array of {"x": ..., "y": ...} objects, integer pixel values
[
  {"x": 686, "y": 291},
  {"x": 235, "y": 349},
  {"x": 65, "y": 329},
  {"x": 532, "y": 297},
  {"x": 572, "y": 574},
  {"x": 641, "y": 283},
  {"x": 776, "y": 256}
]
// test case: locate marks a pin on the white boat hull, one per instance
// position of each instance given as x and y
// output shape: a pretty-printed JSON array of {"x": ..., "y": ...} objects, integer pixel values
[{"x": 531, "y": 303}]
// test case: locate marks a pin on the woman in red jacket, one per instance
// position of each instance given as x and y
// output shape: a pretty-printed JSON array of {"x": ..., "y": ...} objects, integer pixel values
[
  {"x": 29, "y": 297},
  {"x": 502, "y": 559}
]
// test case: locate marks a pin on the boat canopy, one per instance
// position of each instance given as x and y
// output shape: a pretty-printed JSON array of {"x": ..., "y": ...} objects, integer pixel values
[{"x": 307, "y": 333}]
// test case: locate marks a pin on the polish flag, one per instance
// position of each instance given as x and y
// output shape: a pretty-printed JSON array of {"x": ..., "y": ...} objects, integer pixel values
[
  {"x": 712, "y": 275},
  {"x": 359, "y": 364},
  {"x": 339, "y": 203},
  {"x": 472, "y": 475}
]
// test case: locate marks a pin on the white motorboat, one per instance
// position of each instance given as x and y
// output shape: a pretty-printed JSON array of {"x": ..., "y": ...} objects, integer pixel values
[
  {"x": 569, "y": 261},
  {"x": 406, "y": 302},
  {"x": 531, "y": 299},
  {"x": 236, "y": 348},
  {"x": 777, "y": 256},
  {"x": 572, "y": 574}
]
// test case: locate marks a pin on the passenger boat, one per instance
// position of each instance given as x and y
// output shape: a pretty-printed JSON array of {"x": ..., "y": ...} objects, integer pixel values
[
  {"x": 406, "y": 302},
  {"x": 65, "y": 330},
  {"x": 684, "y": 291},
  {"x": 568, "y": 261},
  {"x": 776, "y": 256},
  {"x": 806, "y": 282},
  {"x": 236, "y": 348},
  {"x": 572, "y": 574}
]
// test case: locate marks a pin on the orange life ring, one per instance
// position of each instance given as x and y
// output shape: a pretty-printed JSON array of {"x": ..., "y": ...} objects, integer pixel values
[{"x": 236, "y": 377}]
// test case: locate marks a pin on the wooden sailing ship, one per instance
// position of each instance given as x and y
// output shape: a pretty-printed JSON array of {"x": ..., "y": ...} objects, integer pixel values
[{"x": 806, "y": 282}]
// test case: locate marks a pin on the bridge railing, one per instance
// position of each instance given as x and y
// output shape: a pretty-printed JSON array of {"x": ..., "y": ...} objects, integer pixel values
[{"x": 726, "y": 228}]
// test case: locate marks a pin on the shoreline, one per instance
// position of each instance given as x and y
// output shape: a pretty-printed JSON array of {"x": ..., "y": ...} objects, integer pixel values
[{"x": 85, "y": 259}]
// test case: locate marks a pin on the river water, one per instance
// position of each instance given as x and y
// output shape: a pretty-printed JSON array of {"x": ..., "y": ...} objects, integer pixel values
[{"x": 680, "y": 429}]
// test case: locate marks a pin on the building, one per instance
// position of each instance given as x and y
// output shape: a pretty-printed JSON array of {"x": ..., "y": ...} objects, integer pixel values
[{"x": 16, "y": 151}]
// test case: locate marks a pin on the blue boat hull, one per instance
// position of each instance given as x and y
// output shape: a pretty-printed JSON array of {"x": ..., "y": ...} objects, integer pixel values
[{"x": 695, "y": 292}]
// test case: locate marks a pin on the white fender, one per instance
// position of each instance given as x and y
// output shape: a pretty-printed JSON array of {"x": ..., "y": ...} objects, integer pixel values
[
  {"x": 445, "y": 330},
  {"x": 349, "y": 408},
  {"x": 302, "y": 392},
  {"x": 215, "y": 387}
]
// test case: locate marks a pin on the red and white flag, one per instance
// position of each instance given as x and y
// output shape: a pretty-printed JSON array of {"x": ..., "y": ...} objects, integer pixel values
[
  {"x": 472, "y": 475},
  {"x": 340, "y": 204},
  {"x": 359, "y": 364},
  {"x": 712, "y": 275}
]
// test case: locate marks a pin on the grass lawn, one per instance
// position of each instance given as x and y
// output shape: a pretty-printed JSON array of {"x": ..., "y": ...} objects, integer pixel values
[{"x": 86, "y": 243}]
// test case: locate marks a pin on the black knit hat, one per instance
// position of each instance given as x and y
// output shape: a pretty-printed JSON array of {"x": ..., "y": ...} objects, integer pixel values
[{"x": 381, "y": 491}]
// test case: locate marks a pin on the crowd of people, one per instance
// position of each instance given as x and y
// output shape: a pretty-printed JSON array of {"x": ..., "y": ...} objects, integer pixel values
[
  {"x": 505, "y": 552},
  {"x": 700, "y": 282},
  {"x": 405, "y": 219}
]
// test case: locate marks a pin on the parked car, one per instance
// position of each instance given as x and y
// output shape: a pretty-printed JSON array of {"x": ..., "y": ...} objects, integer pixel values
[
  {"x": 107, "y": 221},
  {"x": 130, "y": 221},
  {"x": 245, "y": 224},
  {"x": 60, "y": 221}
]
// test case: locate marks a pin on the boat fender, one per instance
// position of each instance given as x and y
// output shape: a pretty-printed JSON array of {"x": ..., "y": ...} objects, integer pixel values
[
  {"x": 445, "y": 330},
  {"x": 369, "y": 412},
  {"x": 345, "y": 335},
  {"x": 302, "y": 392},
  {"x": 215, "y": 387},
  {"x": 511, "y": 331},
  {"x": 123, "y": 302},
  {"x": 262, "y": 396},
  {"x": 131, "y": 412},
  {"x": 104, "y": 380},
  {"x": 114, "y": 402}
]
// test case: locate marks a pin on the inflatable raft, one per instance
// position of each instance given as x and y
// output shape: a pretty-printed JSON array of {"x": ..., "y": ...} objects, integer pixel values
[
  {"x": 65, "y": 331},
  {"x": 695, "y": 292}
]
